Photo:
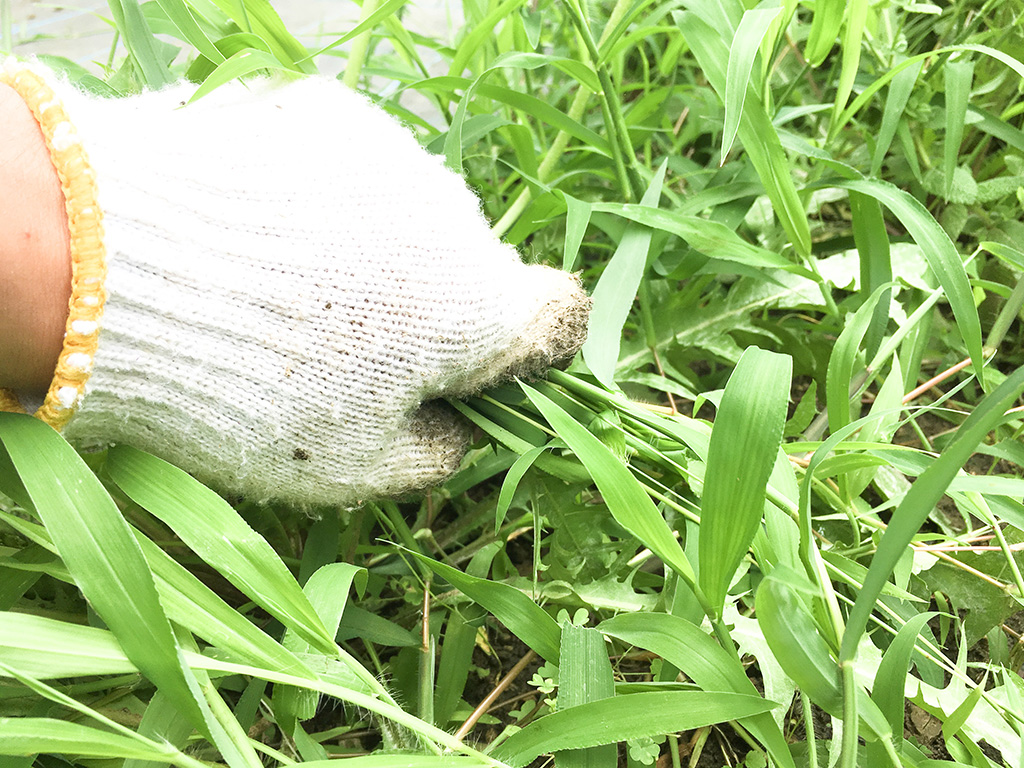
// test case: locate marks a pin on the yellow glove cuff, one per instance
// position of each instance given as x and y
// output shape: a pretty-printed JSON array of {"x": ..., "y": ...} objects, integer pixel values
[{"x": 88, "y": 256}]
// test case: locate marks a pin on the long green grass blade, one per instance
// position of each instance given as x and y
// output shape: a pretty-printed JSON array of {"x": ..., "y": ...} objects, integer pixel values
[
  {"x": 825, "y": 26},
  {"x": 481, "y": 34},
  {"x": 511, "y": 483},
  {"x": 379, "y": 15},
  {"x": 164, "y": 724},
  {"x": 940, "y": 253},
  {"x": 99, "y": 550},
  {"x": 584, "y": 675},
  {"x": 202, "y": 67},
  {"x": 532, "y": 105},
  {"x": 31, "y": 735},
  {"x": 626, "y": 717},
  {"x": 327, "y": 589},
  {"x": 856, "y": 14},
  {"x": 240, "y": 64},
  {"x": 699, "y": 657},
  {"x": 889, "y": 688},
  {"x": 577, "y": 218},
  {"x": 180, "y": 14},
  {"x": 751, "y": 415},
  {"x": 922, "y": 497},
  {"x": 523, "y": 617},
  {"x": 842, "y": 361},
  {"x": 756, "y": 130},
  {"x": 139, "y": 39},
  {"x": 745, "y": 44},
  {"x": 46, "y": 649},
  {"x": 711, "y": 238},
  {"x": 958, "y": 75},
  {"x": 900, "y": 89},
  {"x": 259, "y": 16},
  {"x": 194, "y": 606},
  {"x": 629, "y": 504},
  {"x": 616, "y": 291},
  {"x": 872, "y": 241},
  {"x": 214, "y": 531},
  {"x": 796, "y": 643},
  {"x": 865, "y": 96}
]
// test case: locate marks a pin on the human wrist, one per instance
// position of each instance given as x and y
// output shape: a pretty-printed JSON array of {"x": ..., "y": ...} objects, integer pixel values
[
  {"x": 35, "y": 264},
  {"x": 49, "y": 306}
]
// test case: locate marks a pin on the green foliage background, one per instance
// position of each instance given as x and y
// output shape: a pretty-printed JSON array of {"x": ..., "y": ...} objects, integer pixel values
[{"x": 736, "y": 520}]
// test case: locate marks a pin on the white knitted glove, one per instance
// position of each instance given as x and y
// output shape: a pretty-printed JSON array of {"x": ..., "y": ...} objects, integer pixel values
[{"x": 289, "y": 278}]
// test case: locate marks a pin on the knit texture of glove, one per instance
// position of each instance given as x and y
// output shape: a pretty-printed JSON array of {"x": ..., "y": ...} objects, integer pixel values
[{"x": 290, "y": 281}]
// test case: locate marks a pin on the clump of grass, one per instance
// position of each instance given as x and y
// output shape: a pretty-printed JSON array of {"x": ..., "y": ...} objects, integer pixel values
[{"x": 772, "y": 512}]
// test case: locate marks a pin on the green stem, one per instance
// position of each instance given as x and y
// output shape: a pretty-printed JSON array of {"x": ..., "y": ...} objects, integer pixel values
[
  {"x": 357, "y": 56},
  {"x": 1006, "y": 316},
  {"x": 890, "y": 750},
  {"x": 851, "y": 721},
  {"x": 812, "y": 748},
  {"x": 611, "y": 106},
  {"x": 673, "y": 750}
]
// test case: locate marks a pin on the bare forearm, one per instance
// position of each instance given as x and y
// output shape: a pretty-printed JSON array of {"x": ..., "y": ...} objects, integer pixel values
[{"x": 35, "y": 266}]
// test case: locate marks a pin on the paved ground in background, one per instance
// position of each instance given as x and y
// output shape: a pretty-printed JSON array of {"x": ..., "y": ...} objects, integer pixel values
[{"x": 78, "y": 31}]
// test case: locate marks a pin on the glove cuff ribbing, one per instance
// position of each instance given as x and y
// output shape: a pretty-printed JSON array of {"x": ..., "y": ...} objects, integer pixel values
[{"x": 88, "y": 255}]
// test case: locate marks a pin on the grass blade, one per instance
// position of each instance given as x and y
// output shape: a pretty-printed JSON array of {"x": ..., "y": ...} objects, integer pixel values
[
  {"x": 378, "y": 15},
  {"x": 900, "y": 88},
  {"x": 32, "y": 735},
  {"x": 699, "y": 657},
  {"x": 577, "y": 219},
  {"x": 745, "y": 44},
  {"x": 922, "y": 497},
  {"x": 259, "y": 16},
  {"x": 99, "y": 550},
  {"x": 538, "y": 108},
  {"x": 627, "y": 501},
  {"x": 711, "y": 238},
  {"x": 45, "y": 648},
  {"x": 958, "y": 75},
  {"x": 856, "y": 14},
  {"x": 626, "y": 717},
  {"x": 796, "y": 643},
  {"x": 213, "y": 530},
  {"x": 191, "y": 604},
  {"x": 523, "y": 617},
  {"x": 616, "y": 290},
  {"x": 864, "y": 96},
  {"x": 327, "y": 589},
  {"x": 842, "y": 361},
  {"x": 888, "y": 690},
  {"x": 825, "y": 26},
  {"x": 511, "y": 483},
  {"x": 757, "y": 132},
  {"x": 180, "y": 15},
  {"x": 240, "y": 64},
  {"x": 139, "y": 40},
  {"x": 940, "y": 253},
  {"x": 482, "y": 33},
  {"x": 872, "y": 241},
  {"x": 752, "y": 414},
  {"x": 584, "y": 675}
]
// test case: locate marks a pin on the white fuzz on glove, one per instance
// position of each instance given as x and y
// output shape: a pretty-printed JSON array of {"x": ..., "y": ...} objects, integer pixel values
[{"x": 290, "y": 277}]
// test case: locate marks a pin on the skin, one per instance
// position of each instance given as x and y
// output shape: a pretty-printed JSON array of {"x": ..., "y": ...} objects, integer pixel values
[{"x": 35, "y": 262}]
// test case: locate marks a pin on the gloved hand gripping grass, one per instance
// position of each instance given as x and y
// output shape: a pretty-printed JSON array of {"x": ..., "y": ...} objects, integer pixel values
[{"x": 281, "y": 283}]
